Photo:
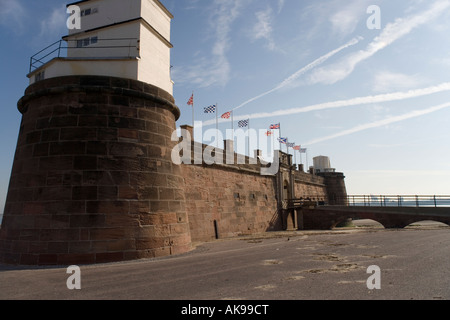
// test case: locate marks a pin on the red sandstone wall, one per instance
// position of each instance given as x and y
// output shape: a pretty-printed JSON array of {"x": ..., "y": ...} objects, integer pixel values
[
  {"x": 212, "y": 194},
  {"x": 240, "y": 201},
  {"x": 310, "y": 186}
]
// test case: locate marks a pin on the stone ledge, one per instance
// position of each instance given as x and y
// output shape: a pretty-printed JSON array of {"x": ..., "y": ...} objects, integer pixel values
[{"x": 99, "y": 85}]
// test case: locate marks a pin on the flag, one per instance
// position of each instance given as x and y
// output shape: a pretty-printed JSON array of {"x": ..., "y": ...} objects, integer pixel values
[
  {"x": 297, "y": 148},
  {"x": 191, "y": 101},
  {"x": 226, "y": 115},
  {"x": 269, "y": 133},
  {"x": 275, "y": 126},
  {"x": 283, "y": 140},
  {"x": 210, "y": 109},
  {"x": 243, "y": 123},
  {"x": 303, "y": 150},
  {"x": 290, "y": 145}
]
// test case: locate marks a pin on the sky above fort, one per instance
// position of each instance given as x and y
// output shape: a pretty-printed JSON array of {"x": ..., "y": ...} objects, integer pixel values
[{"x": 364, "y": 82}]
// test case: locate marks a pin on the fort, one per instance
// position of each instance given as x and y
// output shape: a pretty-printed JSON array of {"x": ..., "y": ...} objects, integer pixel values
[{"x": 93, "y": 180}]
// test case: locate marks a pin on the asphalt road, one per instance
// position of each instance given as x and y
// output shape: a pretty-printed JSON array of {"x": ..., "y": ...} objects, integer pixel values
[{"x": 414, "y": 264}]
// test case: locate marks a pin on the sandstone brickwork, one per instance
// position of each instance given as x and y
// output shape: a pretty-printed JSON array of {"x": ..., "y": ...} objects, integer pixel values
[{"x": 92, "y": 179}]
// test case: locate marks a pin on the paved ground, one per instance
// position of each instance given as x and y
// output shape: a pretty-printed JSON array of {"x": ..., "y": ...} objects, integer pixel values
[{"x": 414, "y": 263}]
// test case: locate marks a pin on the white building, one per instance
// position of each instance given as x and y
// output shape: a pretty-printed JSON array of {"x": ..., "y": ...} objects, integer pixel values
[
  {"x": 322, "y": 164},
  {"x": 118, "y": 38}
]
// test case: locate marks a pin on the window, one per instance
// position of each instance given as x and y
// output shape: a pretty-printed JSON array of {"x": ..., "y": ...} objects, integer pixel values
[
  {"x": 39, "y": 76},
  {"x": 237, "y": 196},
  {"x": 86, "y": 42},
  {"x": 89, "y": 11}
]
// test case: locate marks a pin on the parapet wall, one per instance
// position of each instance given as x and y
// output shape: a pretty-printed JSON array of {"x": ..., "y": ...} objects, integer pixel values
[{"x": 227, "y": 200}]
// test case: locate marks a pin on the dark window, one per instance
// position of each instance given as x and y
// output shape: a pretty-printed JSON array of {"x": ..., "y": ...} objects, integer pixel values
[
  {"x": 79, "y": 43},
  {"x": 236, "y": 196},
  {"x": 87, "y": 12},
  {"x": 86, "y": 42},
  {"x": 94, "y": 40}
]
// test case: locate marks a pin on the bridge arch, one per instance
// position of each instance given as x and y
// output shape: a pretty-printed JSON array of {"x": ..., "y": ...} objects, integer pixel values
[
  {"x": 437, "y": 222},
  {"x": 354, "y": 217}
]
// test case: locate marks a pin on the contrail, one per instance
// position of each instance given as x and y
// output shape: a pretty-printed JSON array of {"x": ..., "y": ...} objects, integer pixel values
[
  {"x": 380, "y": 123},
  {"x": 302, "y": 71},
  {"x": 391, "y": 33},
  {"x": 389, "y": 97}
]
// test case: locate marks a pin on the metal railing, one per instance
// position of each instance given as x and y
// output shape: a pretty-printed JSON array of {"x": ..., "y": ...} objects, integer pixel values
[
  {"x": 418, "y": 201},
  {"x": 58, "y": 48}
]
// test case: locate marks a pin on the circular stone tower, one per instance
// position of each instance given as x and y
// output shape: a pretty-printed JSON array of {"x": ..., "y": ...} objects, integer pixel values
[{"x": 93, "y": 180}]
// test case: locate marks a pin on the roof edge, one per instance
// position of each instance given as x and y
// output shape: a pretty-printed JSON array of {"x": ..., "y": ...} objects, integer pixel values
[{"x": 163, "y": 8}]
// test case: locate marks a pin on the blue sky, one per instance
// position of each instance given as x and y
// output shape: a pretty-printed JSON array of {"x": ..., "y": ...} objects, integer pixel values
[{"x": 376, "y": 101}]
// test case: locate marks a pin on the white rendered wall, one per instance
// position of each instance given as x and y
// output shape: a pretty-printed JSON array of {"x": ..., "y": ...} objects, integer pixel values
[
  {"x": 129, "y": 31},
  {"x": 109, "y": 12},
  {"x": 145, "y": 55},
  {"x": 61, "y": 67},
  {"x": 154, "y": 65}
]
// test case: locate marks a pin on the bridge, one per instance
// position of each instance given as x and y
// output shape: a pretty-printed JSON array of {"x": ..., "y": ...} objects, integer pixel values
[{"x": 311, "y": 213}]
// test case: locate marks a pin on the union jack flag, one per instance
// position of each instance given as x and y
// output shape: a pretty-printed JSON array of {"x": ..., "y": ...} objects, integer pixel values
[
  {"x": 303, "y": 150},
  {"x": 226, "y": 115},
  {"x": 275, "y": 126},
  {"x": 243, "y": 123},
  {"x": 210, "y": 109}
]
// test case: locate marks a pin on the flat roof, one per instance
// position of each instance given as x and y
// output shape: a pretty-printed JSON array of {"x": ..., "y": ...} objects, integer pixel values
[{"x": 157, "y": 2}]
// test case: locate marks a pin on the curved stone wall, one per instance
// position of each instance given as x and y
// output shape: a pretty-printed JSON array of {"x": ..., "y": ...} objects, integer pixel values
[{"x": 92, "y": 179}]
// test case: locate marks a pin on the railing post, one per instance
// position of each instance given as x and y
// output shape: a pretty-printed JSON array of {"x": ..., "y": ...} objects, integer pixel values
[
  {"x": 417, "y": 201},
  {"x": 435, "y": 203}
]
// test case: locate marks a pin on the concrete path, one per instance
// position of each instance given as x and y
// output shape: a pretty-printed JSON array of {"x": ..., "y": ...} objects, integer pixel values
[{"x": 414, "y": 263}]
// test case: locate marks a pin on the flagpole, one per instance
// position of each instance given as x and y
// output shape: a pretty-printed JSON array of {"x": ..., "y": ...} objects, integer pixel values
[
  {"x": 279, "y": 130},
  {"x": 295, "y": 158},
  {"x": 273, "y": 142},
  {"x": 307, "y": 165},
  {"x": 193, "y": 118},
  {"x": 217, "y": 124},
  {"x": 248, "y": 131}
]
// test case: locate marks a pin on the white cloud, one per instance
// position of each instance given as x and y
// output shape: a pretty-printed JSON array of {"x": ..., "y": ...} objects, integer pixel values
[
  {"x": 391, "y": 33},
  {"x": 345, "y": 20},
  {"x": 302, "y": 71},
  {"x": 263, "y": 28},
  {"x": 55, "y": 24},
  {"x": 280, "y": 5},
  {"x": 385, "y": 81},
  {"x": 380, "y": 123},
  {"x": 214, "y": 70},
  {"x": 359, "y": 101},
  {"x": 12, "y": 15}
]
